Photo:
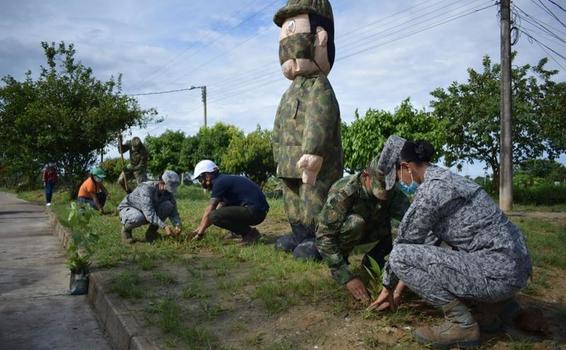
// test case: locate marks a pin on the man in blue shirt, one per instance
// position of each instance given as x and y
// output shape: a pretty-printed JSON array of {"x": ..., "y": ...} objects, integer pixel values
[{"x": 236, "y": 203}]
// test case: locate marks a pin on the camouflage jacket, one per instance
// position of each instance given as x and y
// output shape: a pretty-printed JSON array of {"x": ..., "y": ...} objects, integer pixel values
[
  {"x": 147, "y": 198},
  {"x": 346, "y": 197},
  {"x": 138, "y": 158},
  {"x": 307, "y": 122},
  {"x": 458, "y": 212}
]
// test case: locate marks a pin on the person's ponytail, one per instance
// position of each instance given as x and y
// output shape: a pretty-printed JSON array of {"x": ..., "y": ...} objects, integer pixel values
[
  {"x": 424, "y": 151},
  {"x": 418, "y": 152}
]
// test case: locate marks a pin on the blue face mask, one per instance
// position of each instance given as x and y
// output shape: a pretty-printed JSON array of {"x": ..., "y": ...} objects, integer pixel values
[{"x": 408, "y": 189}]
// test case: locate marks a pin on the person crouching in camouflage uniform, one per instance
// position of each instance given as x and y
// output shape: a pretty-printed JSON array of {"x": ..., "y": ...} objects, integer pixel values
[
  {"x": 306, "y": 133},
  {"x": 358, "y": 211},
  {"x": 487, "y": 261},
  {"x": 138, "y": 162},
  {"x": 151, "y": 203}
]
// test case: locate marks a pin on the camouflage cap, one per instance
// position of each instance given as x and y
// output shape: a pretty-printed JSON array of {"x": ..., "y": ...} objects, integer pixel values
[
  {"x": 389, "y": 158},
  {"x": 297, "y": 7},
  {"x": 377, "y": 179}
]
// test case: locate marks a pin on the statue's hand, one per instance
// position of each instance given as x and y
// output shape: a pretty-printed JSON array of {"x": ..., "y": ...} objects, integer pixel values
[{"x": 310, "y": 164}]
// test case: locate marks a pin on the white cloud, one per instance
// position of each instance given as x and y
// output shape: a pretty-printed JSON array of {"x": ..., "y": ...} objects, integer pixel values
[{"x": 175, "y": 44}]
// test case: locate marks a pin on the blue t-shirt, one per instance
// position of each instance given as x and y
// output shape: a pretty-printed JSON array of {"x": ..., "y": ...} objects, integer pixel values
[{"x": 239, "y": 191}]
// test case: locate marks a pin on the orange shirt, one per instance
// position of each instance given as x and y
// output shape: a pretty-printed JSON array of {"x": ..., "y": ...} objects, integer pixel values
[{"x": 89, "y": 187}]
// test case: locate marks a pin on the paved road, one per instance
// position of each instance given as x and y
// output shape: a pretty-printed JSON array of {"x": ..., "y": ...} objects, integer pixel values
[{"x": 35, "y": 312}]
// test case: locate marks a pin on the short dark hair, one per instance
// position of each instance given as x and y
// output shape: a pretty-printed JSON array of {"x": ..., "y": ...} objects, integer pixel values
[{"x": 328, "y": 25}]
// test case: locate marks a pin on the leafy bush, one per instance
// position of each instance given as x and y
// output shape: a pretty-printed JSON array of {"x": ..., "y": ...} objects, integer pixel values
[
  {"x": 113, "y": 168},
  {"x": 543, "y": 194}
]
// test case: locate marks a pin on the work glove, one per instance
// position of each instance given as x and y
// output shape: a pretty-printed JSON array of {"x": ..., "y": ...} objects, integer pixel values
[{"x": 310, "y": 164}]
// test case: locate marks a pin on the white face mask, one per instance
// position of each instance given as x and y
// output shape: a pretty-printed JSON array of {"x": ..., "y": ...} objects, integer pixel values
[{"x": 97, "y": 179}]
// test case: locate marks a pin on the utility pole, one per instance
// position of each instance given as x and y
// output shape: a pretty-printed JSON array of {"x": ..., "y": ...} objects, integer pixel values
[
  {"x": 506, "y": 145},
  {"x": 203, "y": 92}
]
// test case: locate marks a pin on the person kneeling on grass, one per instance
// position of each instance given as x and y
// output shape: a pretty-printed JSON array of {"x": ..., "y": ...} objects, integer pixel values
[
  {"x": 243, "y": 203},
  {"x": 357, "y": 211},
  {"x": 92, "y": 190},
  {"x": 487, "y": 261},
  {"x": 151, "y": 203}
]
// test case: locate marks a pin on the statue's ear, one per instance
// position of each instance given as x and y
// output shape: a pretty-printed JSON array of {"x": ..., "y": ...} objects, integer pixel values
[{"x": 322, "y": 36}]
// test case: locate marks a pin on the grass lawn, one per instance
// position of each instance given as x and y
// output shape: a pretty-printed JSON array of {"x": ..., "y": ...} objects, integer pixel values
[{"x": 216, "y": 294}]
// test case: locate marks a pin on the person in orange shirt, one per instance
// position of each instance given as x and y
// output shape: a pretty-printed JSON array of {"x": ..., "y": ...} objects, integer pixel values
[{"x": 92, "y": 190}]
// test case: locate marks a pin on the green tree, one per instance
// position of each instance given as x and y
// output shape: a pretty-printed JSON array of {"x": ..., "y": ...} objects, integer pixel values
[
  {"x": 164, "y": 152},
  {"x": 251, "y": 155},
  {"x": 471, "y": 115},
  {"x": 364, "y": 138},
  {"x": 66, "y": 116},
  {"x": 211, "y": 143}
]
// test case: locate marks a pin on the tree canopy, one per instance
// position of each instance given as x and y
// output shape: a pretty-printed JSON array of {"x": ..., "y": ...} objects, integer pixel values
[
  {"x": 66, "y": 115},
  {"x": 470, "y": 112},
  {"x": 251, "y": 155},
  {"x": 364, "y": 138}
]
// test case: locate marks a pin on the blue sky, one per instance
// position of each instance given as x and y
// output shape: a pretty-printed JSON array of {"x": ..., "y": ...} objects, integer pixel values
[{"x": 386, "y": 51}]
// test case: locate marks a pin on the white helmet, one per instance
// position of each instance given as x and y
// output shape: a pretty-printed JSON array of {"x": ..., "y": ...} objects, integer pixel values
[{"x": 204, "y": 166}]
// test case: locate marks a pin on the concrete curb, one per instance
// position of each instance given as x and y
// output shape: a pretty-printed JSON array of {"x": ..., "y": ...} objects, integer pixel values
[{"x": 119, "y": 324}]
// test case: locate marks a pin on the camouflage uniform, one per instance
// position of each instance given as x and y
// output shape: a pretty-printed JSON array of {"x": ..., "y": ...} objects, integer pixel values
[
  {"x": 352, "y": 216},
  {"x": 147, "y": 205},
  {"x": 307, "y": 122},
  {"x": 138, "y": 161},
  {"x": 488, "y": 262}
]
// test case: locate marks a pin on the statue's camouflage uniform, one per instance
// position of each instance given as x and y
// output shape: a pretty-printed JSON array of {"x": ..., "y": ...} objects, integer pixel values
[
  {"x": 489, "y": 261},
  {"x": 353, "y": 216},
  {"x": 138, "y": 161},
  {"x": 307, "y": 122}
]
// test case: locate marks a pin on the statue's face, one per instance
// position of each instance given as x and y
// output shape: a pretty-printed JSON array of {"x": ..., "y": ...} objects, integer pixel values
[
  {"x": 300, "y": 51},
  {"x": 136, "y": 143}
]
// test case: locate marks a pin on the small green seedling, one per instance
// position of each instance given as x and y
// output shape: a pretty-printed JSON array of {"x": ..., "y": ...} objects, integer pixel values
[{"x": 375, "y": 274}]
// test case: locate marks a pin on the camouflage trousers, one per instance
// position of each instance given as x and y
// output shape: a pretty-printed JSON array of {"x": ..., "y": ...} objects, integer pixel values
[
  {"x": 356, "y": 231},
  {"x": 303, "y": 202},
  {"x": 132, "y": 217},
  {"x": 440, "y": 275},
  {"x": 140, "y": 176}
]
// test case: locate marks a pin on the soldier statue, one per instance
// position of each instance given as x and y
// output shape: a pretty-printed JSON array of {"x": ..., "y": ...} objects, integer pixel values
[
  {"x": 138, "y": 162},
  {"x": 306, "y": 133}
]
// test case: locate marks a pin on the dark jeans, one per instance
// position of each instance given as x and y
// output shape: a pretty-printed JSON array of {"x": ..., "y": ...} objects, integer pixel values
[
  {"x": 101, "y": 196},
  {"x": 49, "y": 186},
  {"x": 237, "y": 219}
]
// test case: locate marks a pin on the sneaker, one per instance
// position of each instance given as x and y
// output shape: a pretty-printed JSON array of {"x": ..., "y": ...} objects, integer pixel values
[{"x": 48, "y": 204}]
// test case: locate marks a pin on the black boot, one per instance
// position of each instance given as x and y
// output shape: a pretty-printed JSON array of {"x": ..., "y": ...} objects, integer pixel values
[
  {"x": 289, "y": 242},
  {"x": 151, "y": 233}
]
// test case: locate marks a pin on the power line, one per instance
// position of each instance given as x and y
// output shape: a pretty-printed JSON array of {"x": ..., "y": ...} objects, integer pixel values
[
  {"x": 547, "y": 10},
  {"x": 560, "y": 7},
  {"x": 415, "y": 32},
  {"x": 160, "y": 92},
  {"x": 256, "y": 83},
  {"x": 207, "y": 62},
  {"x": 178, "y": 56},
  {"x": 381, "y": 21},
  {"x": 233, "y": 92},
  {"x": 239, "y": 85},
  {"x": 532, "y": 37}
]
